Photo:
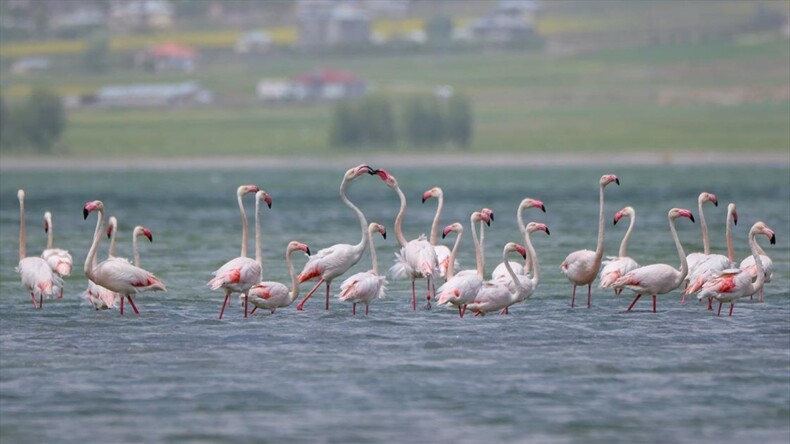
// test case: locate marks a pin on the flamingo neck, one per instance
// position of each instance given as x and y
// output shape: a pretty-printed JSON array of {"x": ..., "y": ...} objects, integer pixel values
[
  {"x": 22, "y": 234},
  {"x": 258, "y": 236},
  {"x": 435, "y": 226},
  {"x": 760, "y": 280},
  {"x": 399, "y": 218},
  {"x": 684, "y": 265},
  {"x": 111, "y": 251},
  {"x": 624, "y": 244},
  {"x": 523, "y": 230},
  {"x": 243, "y": 227},
  {"x": 728, "y": 235},
  {"x": 533, "y": 257},
  {"x": 516, "y": 282},
  {"x": 482, "y": 237},
  {"x": 451, "y": 264},
  {"x": 90, "y": 260},
  {"x": 599, "y": 247},
  {"x": 50, "y": 234},
  {"x": 135, "y": 249},
  {"x": 704, "y": 227},
  {"x": 294, "y": 282},
  {"x": 478, "y": 250},
  {"x": 360, "y": 247},
  {"x": 373, "y": 258}
]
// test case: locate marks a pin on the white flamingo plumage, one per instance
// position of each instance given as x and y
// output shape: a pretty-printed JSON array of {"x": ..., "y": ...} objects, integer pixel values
[
  {"x": 60, "y": 260},
  {"x": 529, "y": 282},
  {"x": 365, "y": 286},
  {"x": 696, "y": 257},
  {"x": 495, "y": 295},
  {"x": 96, "y": 295},
  {"x": 239, "y": 274},
  {"x": 710, "y": 265},
  {"x": 616, "y": 266},
  {"x": 271, "y": 295},
  {"x": 417, "y": 257},
  {"x": 732, "y": 284},
  {"x": 462, "y": 288},
  {"x": 36, "y": 274},
  {"x": 581, "y": 267},
  {"x": 442, "y": 252},
  {"x": 331, "y": 262},
  {"x": 749, "y": 265},
  {"x": 658, "y": 279},
  {"x": 500, "y": 271},
  {"x": 116, "y": 274}
]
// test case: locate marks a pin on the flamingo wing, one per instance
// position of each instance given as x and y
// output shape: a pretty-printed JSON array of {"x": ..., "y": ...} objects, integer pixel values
[
  {"x": 362, "y": 287},
  {"x": 269, "y": 295},
  {"x": 650, "y": 279},
  {"x": 37, "y": 276},
  {"x": 59, "y": 260},
  {"x": 459, "y": 290},
  {"x": 615, "y": 267},
  {"x": 122, "y": 277},
  {"x": 578, "y": 265},
  {"x": 238, "y": 274}
]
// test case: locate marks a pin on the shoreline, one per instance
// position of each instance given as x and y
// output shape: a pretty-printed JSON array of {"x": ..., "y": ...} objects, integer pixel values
[{"x": 411, "y": 160}]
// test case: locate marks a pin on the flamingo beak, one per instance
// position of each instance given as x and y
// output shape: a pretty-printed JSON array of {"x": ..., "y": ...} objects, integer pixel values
[
  {"x": 735, "y": 218},
  {"x": 542, "y": 208},
  {"x": 46, "y": 227},
  {"x": 547, "y": 232},
  {"x": 617, "y": 180},
  {"x": 691, "y": 216},
  {"x": 268, "y": 200},
  {"x": 148, "y": 234},
  {"x": 85, "y": 213},
  {"x": 773, "y": 238}
]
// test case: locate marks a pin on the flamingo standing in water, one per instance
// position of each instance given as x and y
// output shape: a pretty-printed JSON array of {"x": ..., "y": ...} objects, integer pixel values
[
  {"x": 442, "y": 252},
  {"x": 711, "y": 265},
  {"x": 495, "y": 295},
  {"x": 462, "y": 288},
  {"x": 616, "y": 266},
  {"x": 270, "y": 295},
  {"x": 331, "y": 262},
  {"x": 499, "y": 271},
  {"x": 749, "y": 265},
  {"x": 581, "y": 267},
  {"x": 36, "y": 274},
  {"x": 658, "y": 279},
  {"x": 364, "y": 287},
  {"x": 417, "y": 257},
  {"x": 732, "y": 284},
  {"x": 96, "y": 295},
  {"x": 59, "y": 259},
  {"x": 116, "y": 274},
  {"x": 530, "y": 283},
  {"x": 696, "y": 258},
  {"x": 239, "y": 274}
]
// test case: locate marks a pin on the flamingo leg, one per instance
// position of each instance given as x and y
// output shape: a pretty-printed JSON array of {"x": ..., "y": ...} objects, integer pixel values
[
  {"x": 41, "y": 300},
  {"x": 245, "y": 304},
  {"x": 354, "y": 309},
  {"x": 131, "y": 301},
  {"x": 428, "y": 305},
  {"x": 300, "y": 305},
  {"x": 35, "y": 304},
  {"x": 634, "y": 302},
  {"x": 326, "y": 307},
  {"x": 464, "y": 311},
  {"x": 710, "y": 304},
  {"x": 683, "y": 299},
  {"x": 122, "y": 298},
  {"x": 719, "y": 312},
  {"x": 253, "y": 310},
  {"x": 413, "y": 296},
  {"x": 732, "y": 305},
  {"x": 589, "y": 295},
  {"x": 221, "y": 311},
  {"x": 654, "y": 303},
  {"x": 60, "y": 295},
  {"x": 761, "y": 295},
  {"x": 460, "y": 312},
  {"x": 367, "y": 306},
  {"x": 751, "y": 297},
  {"x": 573, "y": 296}
]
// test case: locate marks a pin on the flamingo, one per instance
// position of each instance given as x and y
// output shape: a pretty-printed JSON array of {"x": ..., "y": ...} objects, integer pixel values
[
  {"x": 239, "y": 274},
  {"x": 36, "y": 274},
  {"x": 271, "y": 295},
  {"x": 495, "y": 295},
  {"x": 658, "y": 279},
  {"x": 749, "y": 265},
  {"x": 59, "y": 259},
  {"x": 333, "y": 261},
  {"x": 417, "y": 257},
  {"x": 460, "y": 289},
  {"x": 499, "y": 271},
  {"x": 616, "y": 266},
  {"x": 581, "y": 267},
  {"x": 710, "y": 265},
  {"x": 116, "y": 274},
  {"x": 734, "y": 283},
  {"x": 365, "y": 286},
  {"x": 442, "y": 252},
  {"x": 96, "y": 295},
  {"x": 530, "y": 284},
  {"x": 695, "y": 258}
]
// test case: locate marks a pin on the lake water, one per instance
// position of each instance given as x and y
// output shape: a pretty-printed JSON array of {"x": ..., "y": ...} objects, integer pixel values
[{"x": 544, "y": 373}]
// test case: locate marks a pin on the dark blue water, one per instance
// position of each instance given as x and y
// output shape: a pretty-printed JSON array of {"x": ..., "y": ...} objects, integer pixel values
[{"x": 545, "y": 373}]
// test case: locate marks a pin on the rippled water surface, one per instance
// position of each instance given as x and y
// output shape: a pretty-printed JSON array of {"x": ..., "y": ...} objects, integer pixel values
[{"x": 544, "y": 373}]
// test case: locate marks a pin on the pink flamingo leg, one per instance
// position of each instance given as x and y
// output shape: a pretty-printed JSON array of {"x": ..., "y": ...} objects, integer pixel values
[
  {"x": 253, "y": 310},
  {"x": 131, "y": 301},
  {"x": 732, "y": 305},
  {"x": 354, "y": 309},
  {"x": 464, "y": 311},
  {"x": 366, "y": 309},
  {"x": 683, "y": 299},
  {"x": 654, "y": 303},
  {"x": 460, "y": 312},
  {"x": 719, "y": 312},
  {"x": 35, "y": 304},
  {"x": 710, "y": 304},
  {"x": 634, "y": 302},
  {"x": 589, "y": 295},
  {"x": 122, "y": 298},
  {"x": 428, "y": 305},
  {"x": 221, "y": 311},
  {"x": 245, "y": 305},
  {"x": 300, "y": 306},
  {"x": 413, "y": 296},
  {"x": 41, "y": 301},
  {"x": 761, "y": 295},
  {"x": 573, "y": 296},
  {"x": 328, "y": 283}
]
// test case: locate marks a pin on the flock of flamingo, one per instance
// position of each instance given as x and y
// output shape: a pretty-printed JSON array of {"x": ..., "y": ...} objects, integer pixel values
[{"x": 711, "y": 276}]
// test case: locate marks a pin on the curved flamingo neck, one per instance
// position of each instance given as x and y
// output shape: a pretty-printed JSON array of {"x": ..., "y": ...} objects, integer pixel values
[
  {"x": 137, "y": 233},
  {"x": 244, "y": 227},
  {"x": 373, "y": 259},
  {"x": 728, "y": 235},
  {"x": 22, "y": 234},
  {"x": 624, "y": 244},
  {"x": 399, "y": 218},
  {"x": 360, "y": 247},
  {"x": 50, "y": 233},
  {"x": 599, "y": 247},
  {"x": 294, "y": 293},
  {"x": 478, "y": 249},
  {"x": 258, "y": 236},
  {"x": 704, "y": 227},
  {"x": 533, "y": 257},
  {"x": 435, "y": 226},
  {"x": 684, "y": 266},
  {"x": 114, "y": 225},
  {"x": 91, "y": 258},
  {"x": 516, "y": 282},
  {"x": 760, "y": 280},
  {"x": 523, "y": 230},
  {"x": 451, "y": 263}
]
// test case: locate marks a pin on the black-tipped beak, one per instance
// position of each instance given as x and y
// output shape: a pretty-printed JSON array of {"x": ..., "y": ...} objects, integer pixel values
[
  {"x": 423, "y": 200},
  {"x": 615, "y": 221},
  {"x": 371, "y": 171},
  {"x": 735, "y": 221},
  {"x": 547, "y": 231},
  {"x": 617, "y": 181},
  {"x": 692, "y": 218},
  {"x": 85, "y": 213},
  {"x": 715, "y": 203},
  {"x": 773, "y": 239},
  {"x": 524, "y": 255},
  {"x": 492, "y": 217},
  {"x": 444, "y": 235},
  {"x": 384, "y": 235},
  {"x": 543, "y": 208},
  {"x": 488, "y": 223},
  {"x": 308, "y": 251},
  {"x": 269, "y": 204},
  {"x": 150, "y": 237}
]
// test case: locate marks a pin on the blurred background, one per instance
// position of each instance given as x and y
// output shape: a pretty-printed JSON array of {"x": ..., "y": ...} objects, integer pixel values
[{"x": 172, "y": 78}]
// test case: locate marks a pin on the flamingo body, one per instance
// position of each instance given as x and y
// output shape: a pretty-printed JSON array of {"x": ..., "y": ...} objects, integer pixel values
[
  {"x": 362, "y": 288},
  {"x": 38, "y": 278},
  {"x": 614, "y": 268},
  {"x": 59, "y": 260},
  {"x": 237, "y": 275}
]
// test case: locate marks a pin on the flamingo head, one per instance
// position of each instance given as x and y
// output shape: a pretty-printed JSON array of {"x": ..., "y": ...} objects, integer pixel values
[
  {"x": 680, "y": 212},
  {"x": 512, "y": 246},
  {"x": 435, "y": 192},
  {"x": 47, "y": 221},
  {"x": 138, "y": 230},
  {"x": 708, "y": 197},
  {"x": 452, "y": 228},
  {"x": 20, "y": 195},
  {"x": 731, "y": 210},
  {"x": 627, "y": 211},
  {"x": 537, "y": 226},
  {"x": 487, "y": 215},
  {"x": 261, "y": 195},
  {"x": 606, "y": 179},
  {"x": 377, "y": 228},
  {"x": 760, "y": 227},
  {"x": 298, "y": 246},
  {"x": 388, "y": 178},
  {"x": 112, "y": 225},
  {"x": 358, "y": 171},
  {"x": 532, "y": 203},
  {"x": 92, "y": 206},
  {"x": 245, "y": 189}
]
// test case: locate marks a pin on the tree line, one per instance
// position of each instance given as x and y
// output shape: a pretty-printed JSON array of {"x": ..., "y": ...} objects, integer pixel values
[{"x": 37, "y": 122}]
